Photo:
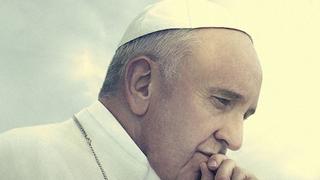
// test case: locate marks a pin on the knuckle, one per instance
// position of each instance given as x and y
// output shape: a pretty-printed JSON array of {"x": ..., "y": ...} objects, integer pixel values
[
  {"x": 230, "y": 161},
  {"x": 239, "y": 169},
  {"x": 219, "y": 158}
]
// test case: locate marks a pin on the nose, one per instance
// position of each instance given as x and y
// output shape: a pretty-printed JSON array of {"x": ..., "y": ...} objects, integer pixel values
[{"x": 231, "y": 134}]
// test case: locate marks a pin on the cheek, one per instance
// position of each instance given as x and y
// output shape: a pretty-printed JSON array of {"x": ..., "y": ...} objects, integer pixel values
[
  {"x": 189, "y": 122},
  {"x": 180, "y": 128},
  {"x": 177, "y": 126}
]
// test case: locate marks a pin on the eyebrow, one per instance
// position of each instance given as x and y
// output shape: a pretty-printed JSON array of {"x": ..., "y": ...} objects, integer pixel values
[{"x": 226, "y": 93}]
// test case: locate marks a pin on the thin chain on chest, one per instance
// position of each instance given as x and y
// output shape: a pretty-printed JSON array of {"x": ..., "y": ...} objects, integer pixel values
[{"x": 89, "y": 142}]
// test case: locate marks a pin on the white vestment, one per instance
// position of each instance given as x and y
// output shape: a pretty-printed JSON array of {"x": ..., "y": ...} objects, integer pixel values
[{"x": 60, "y": 152}]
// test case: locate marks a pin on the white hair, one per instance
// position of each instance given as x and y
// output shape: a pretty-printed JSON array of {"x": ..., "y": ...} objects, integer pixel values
[{"x": 167, "y": 47}]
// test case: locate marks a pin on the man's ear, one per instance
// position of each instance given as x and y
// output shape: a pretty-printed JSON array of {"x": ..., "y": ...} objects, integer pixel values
[{"x": 137, "y": 81}]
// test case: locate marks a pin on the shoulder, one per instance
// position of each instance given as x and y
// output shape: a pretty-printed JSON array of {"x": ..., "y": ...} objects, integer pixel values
[
  {"x": 38, "y": 135},
  {"x": 36, "y": 148}
]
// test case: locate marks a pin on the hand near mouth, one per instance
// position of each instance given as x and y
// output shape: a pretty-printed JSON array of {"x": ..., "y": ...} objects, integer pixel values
[{"x": 215, "y": 167}]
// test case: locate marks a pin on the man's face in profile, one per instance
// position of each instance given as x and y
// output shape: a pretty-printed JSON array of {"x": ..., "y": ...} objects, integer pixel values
[{"x": 205, "y": 110}]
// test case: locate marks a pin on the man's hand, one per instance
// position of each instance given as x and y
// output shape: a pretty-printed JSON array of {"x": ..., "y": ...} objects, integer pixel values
[
  {"x": 220, "y": 167},
  {"x": 191, "y": 171},
  {"x": 217, "y": 167}
]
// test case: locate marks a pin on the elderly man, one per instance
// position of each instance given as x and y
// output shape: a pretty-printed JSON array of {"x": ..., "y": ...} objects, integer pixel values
[{"x": 180, "y": 85}]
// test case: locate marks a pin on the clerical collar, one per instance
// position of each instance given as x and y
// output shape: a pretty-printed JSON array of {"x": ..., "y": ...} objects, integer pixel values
[{"x": 114, "y": 129}]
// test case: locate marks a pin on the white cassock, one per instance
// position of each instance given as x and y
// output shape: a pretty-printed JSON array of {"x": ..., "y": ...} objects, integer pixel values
[{"x": 60, "y": 152}]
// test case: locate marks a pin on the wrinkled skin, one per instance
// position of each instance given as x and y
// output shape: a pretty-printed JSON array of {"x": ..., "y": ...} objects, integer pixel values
[{"x": 203, "y": 115}]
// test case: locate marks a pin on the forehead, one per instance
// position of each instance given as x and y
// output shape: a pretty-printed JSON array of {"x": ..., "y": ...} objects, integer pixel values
[{"x": 225, "y": 58}]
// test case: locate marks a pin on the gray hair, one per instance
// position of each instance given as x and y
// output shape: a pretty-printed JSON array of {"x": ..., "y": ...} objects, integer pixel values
[{"x": 167, "y": 47}]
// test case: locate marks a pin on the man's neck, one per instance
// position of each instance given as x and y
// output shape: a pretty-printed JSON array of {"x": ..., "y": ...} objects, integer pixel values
[{"x": 122, "y": 114}]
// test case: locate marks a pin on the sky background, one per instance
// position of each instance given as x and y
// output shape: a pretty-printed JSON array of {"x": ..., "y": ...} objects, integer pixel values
[{"x": 54, "y": 55}]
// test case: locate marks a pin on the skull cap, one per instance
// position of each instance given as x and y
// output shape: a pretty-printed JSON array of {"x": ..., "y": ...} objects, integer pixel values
[{"x": 180, "y": 14}]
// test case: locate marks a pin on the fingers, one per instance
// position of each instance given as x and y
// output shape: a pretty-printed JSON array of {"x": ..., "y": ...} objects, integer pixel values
[
  {"x": 215, "y": 161},
  {"x": 229, "y": 170},
  {"x": 191, "y": 169},
  {"x": 206, "y": 174},
  {"x": 238, "y": 174},
  {"x": 241, "y": 174},
  {"x": 225, "y": 170},
  {"x": 217, "y": 167}
]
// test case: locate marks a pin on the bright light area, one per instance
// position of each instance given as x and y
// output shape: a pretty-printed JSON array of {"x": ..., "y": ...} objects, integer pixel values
[
  {"x": 60, "y": 52},
  {"x": 86, "y": 69},
  {"x": 282, "y": 139}
]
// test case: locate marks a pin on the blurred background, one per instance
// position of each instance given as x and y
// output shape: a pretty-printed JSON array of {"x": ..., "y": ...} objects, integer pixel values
[{"x": 54, "y": 56}]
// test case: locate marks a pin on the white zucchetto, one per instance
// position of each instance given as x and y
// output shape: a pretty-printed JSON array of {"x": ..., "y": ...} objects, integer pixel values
[{"x": 179, "y": 14}]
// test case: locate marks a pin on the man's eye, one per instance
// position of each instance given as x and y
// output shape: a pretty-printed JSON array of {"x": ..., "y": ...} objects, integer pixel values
[{"x": 221, "y": 102}]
